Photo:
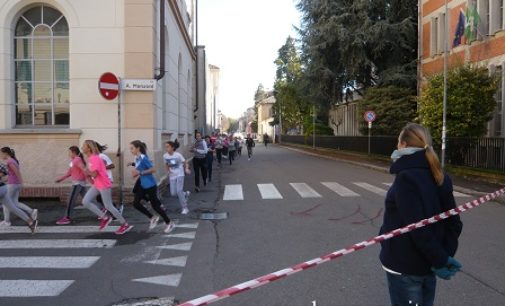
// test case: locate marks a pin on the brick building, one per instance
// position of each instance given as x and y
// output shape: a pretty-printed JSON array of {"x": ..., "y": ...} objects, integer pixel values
[{"x": 487, "y": 50}]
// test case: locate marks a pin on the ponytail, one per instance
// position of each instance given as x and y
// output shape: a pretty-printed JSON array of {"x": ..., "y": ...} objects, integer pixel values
[
  {"x": 76, "y": 151},
  {"x": 417, "y": 136},
  {"x": 10, "y": 152},
  {"x": 140, "y": 145},
  {"x": 435, "y": 166}
]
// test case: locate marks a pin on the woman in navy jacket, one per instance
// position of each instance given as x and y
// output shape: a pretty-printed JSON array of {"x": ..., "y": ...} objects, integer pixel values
[{"x": 420, "y": 190}]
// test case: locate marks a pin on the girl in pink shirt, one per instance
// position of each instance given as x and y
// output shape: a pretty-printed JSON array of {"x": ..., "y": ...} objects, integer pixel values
[
  {"x": 11, "y": 200},
  {"x": 77, "y": 172},
  {"x": 102, "y": 185}
]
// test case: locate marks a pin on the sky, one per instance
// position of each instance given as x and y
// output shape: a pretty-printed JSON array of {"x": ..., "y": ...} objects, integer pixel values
[{"x": 242, "y": 38}]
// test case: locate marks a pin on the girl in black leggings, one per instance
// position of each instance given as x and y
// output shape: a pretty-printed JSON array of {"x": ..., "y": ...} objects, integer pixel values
[{"x": 146, "y": 186}]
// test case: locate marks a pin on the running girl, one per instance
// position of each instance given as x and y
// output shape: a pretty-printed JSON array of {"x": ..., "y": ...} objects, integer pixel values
[
  {"x": 176, "y": 165},
  {"x": 78, "y": 175},
  {"x": 103, "y": 186},
  {"x": 144, "y": 172},
  {"x": 14, "y": 184}
]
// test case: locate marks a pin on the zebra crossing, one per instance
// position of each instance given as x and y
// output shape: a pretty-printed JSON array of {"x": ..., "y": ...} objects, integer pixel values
[
  {"x": 269, "y": 191},
  {"x": 24, "y": 257}
]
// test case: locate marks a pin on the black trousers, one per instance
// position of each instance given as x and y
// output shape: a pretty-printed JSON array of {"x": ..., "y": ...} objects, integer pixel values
[
  {"x": 200, "y": 166},
  {"x": 219, "y": 155},
  {"x": 152, "y": 195},
  {"x": 210, "y": 162},
  {"x": 231, "y": 156},
  {"x": 249, "y": 151}
]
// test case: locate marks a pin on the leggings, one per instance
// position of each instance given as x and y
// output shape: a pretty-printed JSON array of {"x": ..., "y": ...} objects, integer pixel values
[
  {"x": 77, "y": 190},
  {"x": 9, "y": 206},
  {"x": 231, "y": 156},
  {"x": 200, "y": 165},
  {"x": 249, "y": 151},
  {"x": 219, "y": 155},
  {"x": 210, "y": 162},
  {"x": 177, "y": 189},
  {"x": 90, "y": 203},
  {"x": 152, "y": 195},
  {"x": 13, "y": 191}
]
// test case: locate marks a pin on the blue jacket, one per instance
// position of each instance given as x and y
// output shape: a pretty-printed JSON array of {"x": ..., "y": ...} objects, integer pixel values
[
  {"x": 143, "y": 163},
  {"x": 414, "y": 196}
]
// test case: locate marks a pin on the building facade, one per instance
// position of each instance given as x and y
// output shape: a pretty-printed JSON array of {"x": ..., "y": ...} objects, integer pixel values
[
  {"x": 266, "y": 117},
  {"x": 488, "y": 50},
  {"x": 52, "y": 53},
  {"x": 212, "y": 98}
]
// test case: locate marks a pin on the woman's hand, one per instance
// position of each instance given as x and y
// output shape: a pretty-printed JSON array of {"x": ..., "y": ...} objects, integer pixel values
[
  {"x": 135, "y": 173},
  {"x": 188, "y": 171}
]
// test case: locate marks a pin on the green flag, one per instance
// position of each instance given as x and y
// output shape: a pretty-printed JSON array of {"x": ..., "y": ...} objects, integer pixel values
[{"x": 472, "y": 21}]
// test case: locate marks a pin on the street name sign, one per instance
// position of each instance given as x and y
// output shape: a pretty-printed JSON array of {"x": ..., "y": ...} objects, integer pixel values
[{"x": 138, "y": 85}]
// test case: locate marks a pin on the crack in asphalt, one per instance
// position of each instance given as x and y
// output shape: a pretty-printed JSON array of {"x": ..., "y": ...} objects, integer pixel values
[{"x": 475, "y": 278}]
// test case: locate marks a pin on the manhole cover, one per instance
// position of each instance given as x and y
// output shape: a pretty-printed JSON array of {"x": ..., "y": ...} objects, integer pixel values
[
  {"x": 214, "y": 216},
  {"x": 146, "y": 302}
]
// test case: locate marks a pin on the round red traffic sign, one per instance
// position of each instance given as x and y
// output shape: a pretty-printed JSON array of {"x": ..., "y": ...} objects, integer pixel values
[
  {"x": 370, "y": 116},
  {"x": 108, "y": 86}
]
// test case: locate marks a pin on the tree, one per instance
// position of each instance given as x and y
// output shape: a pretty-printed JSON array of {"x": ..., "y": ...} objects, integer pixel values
[
  {"x": 394, "y": 106},
  {"x": 260, "y": 94},
  {"x": 470, "y": 102}
]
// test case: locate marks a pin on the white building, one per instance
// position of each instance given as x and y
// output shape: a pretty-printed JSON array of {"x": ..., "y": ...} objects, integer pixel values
[{"x": 52, "y": 53}]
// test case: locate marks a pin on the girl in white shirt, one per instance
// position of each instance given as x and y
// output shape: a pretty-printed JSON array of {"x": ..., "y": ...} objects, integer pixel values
[{"x": 177, "y": 166}]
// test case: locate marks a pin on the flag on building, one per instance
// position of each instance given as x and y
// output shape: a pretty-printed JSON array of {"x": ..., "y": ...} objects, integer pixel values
[
  {"x": 472, "y": 22},
  {"x": 460, "y": 30}
]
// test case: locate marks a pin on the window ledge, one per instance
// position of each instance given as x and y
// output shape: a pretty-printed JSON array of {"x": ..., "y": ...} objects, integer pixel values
[{"x": 41, "y": 131}]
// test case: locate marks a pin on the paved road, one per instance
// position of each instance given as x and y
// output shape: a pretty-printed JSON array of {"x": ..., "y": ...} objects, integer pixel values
[
  {"x": 312, "y": 219},
  {"x": 284, "y": 208}
]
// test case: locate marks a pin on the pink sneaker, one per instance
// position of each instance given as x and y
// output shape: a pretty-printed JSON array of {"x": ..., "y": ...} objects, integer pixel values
[
  {"x": 64, "y": 221},
  {"x": 104, "y": 222},
  {"x": 123, "y": 229}
]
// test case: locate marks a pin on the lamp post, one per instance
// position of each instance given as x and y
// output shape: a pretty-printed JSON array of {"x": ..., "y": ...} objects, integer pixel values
[{"x": 444, "y": 112}]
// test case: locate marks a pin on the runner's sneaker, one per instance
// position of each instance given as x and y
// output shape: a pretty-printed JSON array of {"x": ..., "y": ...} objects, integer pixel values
[
  {"x": 104, "y": 212},
  {"x": 154, "y": 222},
  {"x": 64, "y": 221},
  {"x": 35, "y": 214},
  {"x": 170, "y": 227},
  {"x": 104, "y": 222},
  {"x": 123, "y": 229},
  {"x": 33, "y": 226},
  {"x": 197, "y": 189},
  {"x": 185, "y": 211},
  {"x": 5, "y": 224}
]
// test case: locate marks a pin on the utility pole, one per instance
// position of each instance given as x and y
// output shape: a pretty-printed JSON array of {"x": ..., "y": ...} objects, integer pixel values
[{"x": 444, "y": 113}]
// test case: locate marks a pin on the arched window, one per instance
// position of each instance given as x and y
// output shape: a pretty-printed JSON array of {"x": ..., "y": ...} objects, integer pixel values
[{"x": 42, "y": 77}]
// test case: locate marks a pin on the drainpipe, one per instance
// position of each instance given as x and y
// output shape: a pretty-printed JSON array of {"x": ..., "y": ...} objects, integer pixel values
[
  {"x": 196, "y": 61},
  {"x": 160, "y": 76}
]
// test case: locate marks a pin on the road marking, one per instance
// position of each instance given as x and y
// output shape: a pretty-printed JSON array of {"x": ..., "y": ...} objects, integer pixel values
[
  {"x": 173, "y": 262},
  {"x": 48, "y": 262},
  {"x": 171, "y": 280},
  {"x": 388, "y": 184},
  {"x": 188, "y": 235},
  {"x": 144, "y": 302},
  {"x": 188, "y": 225},
  {"x": 33, "y": 288},
  {"x": 56, "y": 243},
  {"x": 340, "y": 190},
  {"x": 178, "y": 247},
  {"x": 305, "y": 191},
  {"x": 372, "y": 188},
  {"x": 57, "y": 229},
  {"x": 269, "y": 192},
  {"x": 233, "y": 193},
  {"x": 460, "y": 195}
]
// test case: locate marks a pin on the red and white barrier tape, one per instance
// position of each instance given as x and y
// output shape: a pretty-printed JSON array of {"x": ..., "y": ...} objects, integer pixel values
[{"x": 263, "y": 280}]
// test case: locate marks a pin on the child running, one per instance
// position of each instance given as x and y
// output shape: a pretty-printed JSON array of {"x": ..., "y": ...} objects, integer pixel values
[
  {"x": 102, "y": 185},
  {"x": 176, "y": 165},
  {"x": 77, "y": 172},
  {"x": 144, "y": 172},
  {"x": 11, "y": 200}
]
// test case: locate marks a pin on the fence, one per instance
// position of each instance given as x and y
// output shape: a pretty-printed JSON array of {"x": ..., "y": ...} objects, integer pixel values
[{"x": 484, "y": 153}]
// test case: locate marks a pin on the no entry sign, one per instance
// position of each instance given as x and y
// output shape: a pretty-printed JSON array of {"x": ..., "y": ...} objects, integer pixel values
[
  {"x": 108, "y": 86},
  {"x": 370, "y": 116}
]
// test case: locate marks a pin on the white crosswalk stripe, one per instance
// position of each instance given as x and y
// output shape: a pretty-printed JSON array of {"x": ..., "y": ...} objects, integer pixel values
[
  {"x": 48, "y": 262},
  {"x": 269, "y": 192},
  {"x": 56, "y": 243},
  {"x": 171, "y": 280},
  {"x": 372, "y": 188},
  {"x": 340, "y": 190},
  {"x": 233, "y": 193},
  {"x": 33, "y": 288},
  {"x": 305, "y": 191}
]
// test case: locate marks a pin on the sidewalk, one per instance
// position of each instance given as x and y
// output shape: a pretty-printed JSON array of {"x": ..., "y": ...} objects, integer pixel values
[{"x": 465, "y": 185}]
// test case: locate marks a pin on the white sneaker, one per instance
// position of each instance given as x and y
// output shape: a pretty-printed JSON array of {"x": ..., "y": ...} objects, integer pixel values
[
  {"x": 5, "y": 224},
  {"x": 170, "y": 227},
  {"x": 154, "y": 222},
  {"x": 35, "y": 214},
  {"x": 185, "y": 211}
]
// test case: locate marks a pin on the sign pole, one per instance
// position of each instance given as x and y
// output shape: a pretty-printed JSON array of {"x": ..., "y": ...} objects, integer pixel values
[
  {"x": 369, "y": 135},
  {"x": 119, "y": 153}
]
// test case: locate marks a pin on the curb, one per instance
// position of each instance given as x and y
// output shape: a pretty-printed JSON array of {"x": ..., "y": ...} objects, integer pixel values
[{"x": 500, "y": 199}]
